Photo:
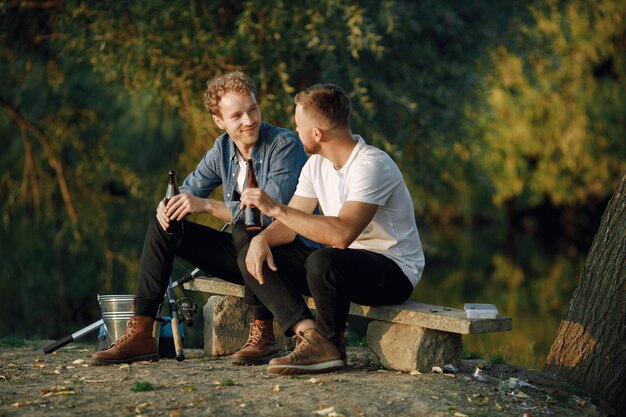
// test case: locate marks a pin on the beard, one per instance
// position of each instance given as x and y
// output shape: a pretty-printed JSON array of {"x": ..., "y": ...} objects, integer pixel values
[{"x": 311, "y": 147}]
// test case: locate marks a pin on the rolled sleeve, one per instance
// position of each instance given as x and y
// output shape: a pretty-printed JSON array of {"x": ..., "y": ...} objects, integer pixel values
[{"x": 205, "y": 178}]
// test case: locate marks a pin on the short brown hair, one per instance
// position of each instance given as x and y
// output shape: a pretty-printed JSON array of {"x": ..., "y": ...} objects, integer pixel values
[
  {"x": 231, "y": 82},
  {"x": 329, "y": 101}
]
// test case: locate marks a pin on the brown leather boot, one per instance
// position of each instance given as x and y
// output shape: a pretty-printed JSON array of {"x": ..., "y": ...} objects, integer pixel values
[
  {"x": 260, "y": 347},
  {"x": 313, "y": 353},
  {"x": 137, "y": 344}
]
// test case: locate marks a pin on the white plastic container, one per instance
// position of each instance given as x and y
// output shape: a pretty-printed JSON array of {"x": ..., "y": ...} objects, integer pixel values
[{"x": 481, "y": 311}]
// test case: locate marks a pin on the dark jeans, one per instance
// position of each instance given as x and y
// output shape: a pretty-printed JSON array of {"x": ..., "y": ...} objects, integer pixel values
[
  {"x": 333, "y": 277},
  {"x": 208, "y": 249}
]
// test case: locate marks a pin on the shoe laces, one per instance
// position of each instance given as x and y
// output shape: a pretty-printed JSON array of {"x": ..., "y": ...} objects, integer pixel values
[
  {"x": 131, "y": 326},
  {"x": 255, "y": 336},
  {"x": 301, "y": 341}
]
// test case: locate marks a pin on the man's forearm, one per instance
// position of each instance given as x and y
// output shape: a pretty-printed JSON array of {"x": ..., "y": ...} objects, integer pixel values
[
  {"x": 277, "y": 234},
  {"x": 326, "y": 230},
  {"x": 219, "y": 209},
  {"x": 337, "y": 231}
]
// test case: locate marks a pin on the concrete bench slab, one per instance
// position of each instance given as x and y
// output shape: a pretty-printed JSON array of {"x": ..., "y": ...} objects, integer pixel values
[{"x": 406, "y": 337}]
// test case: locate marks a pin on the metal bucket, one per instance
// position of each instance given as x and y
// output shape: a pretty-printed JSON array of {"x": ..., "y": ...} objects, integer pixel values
[
  {"x": 116, "y": 303},
  {"x": 116, "y": 310}
]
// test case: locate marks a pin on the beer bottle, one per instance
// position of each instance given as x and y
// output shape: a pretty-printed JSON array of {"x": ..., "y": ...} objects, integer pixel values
[
  {"x": 176, "y": 226},
  {"x": 252, "y": 215}
]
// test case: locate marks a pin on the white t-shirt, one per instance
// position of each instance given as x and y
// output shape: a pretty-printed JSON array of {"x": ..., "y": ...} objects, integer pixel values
[
  {"x": 369, "y": 176},
  {"x": 242, "y": 175}
]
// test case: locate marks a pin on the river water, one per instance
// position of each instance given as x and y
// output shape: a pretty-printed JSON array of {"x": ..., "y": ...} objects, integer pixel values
[{"x": 528, "y": 280}]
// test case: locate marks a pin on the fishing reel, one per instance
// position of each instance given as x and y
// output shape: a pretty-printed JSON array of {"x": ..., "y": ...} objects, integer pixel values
[{"x": 188, "y": 309}]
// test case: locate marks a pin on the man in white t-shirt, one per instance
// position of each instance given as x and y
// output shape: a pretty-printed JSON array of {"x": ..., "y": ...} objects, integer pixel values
[{"x": 374, "y": 254}]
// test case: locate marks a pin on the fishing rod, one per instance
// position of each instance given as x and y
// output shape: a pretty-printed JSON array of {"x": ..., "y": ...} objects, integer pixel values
[{"x": 69, "y": 339}]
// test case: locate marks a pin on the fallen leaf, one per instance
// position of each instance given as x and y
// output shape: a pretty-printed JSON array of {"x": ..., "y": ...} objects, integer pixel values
[
  {"x": 47, "y": 392},
  {"x": 313, "y": 380},
  {"x": 479, "y": 399},
  {"x": 125, "y": 367},
  {"x": 140, "y": 407},
  {"x": 15, "y": 405},
  {"x": 175, "y": 413},
  {"x": 243, "y": 405},
  {"x": 434, "y": 397},
  {"x": 39, "y": 365},
  {"x": 188, "y": 388},
  {"x": 358, "y": 412},
  {"x": 415, "y": 373},
  {"x": 324, "y": 411},
  {"x": 276, "y": 388},
  {"x": 458, "y": 414},
  {"x": 581, "y": 402},
  {"x": 78, "y": 362}
]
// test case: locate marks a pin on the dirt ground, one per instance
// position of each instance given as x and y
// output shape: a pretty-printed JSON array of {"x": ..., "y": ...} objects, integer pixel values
[{"x": 65, "y": 384}]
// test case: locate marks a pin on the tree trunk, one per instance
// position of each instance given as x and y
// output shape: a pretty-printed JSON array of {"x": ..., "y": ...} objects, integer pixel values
[{"x": 589, "y": 349}]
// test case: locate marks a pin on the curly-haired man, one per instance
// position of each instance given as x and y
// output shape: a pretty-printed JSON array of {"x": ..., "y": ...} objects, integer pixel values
[{"x": 277, "y": 155}]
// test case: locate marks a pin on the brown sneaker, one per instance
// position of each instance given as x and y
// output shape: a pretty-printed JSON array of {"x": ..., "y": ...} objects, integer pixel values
[
  {"x": 137, "y": 344},
  {"x": 260, "y": 347},
  {"x": 339, "y": 341},
  {"x": 313, "y": 353}
]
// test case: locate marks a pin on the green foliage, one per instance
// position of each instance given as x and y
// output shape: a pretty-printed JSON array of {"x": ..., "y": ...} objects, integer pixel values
[
  {"x": 355, "y": 341},
  {"x": 499, "y": 358},
  {"x": 471, "y": 355},
  {"x": 228, "y": 383},
  {"x": 12, "y": 341},
  {"x": 556, "y": 126},
  {"x": 485, "y": 106},
  {"x": 142, "y": 386}
]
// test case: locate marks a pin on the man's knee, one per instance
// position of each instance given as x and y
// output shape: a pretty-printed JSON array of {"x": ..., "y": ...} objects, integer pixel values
[
  {"x": 241, "y": 236},
  {"x": 241, "y": 260},
  {"x": 322, "y": 262},
  {"x": 154, "y": 229}
]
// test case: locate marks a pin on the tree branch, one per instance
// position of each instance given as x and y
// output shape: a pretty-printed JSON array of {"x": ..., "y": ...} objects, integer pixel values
[{"x": 53, "y": 160}]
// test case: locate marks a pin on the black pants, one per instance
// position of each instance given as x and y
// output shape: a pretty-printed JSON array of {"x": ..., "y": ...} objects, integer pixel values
[
  {"x": 208, "y": 249},
  {"x": 333, "y": 277}
]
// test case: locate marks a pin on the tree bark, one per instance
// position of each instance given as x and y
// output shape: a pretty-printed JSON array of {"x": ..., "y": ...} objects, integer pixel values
[{"x": 589, "y": 349}]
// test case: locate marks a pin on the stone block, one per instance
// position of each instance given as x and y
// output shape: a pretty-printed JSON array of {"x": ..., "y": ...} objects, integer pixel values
[
  {"x": 408, "y": 348},
  {"x": 227, "y": 323}
]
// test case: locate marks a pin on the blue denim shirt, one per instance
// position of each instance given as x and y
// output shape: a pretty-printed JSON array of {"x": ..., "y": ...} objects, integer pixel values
[{"x": 278, "y": 157}]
